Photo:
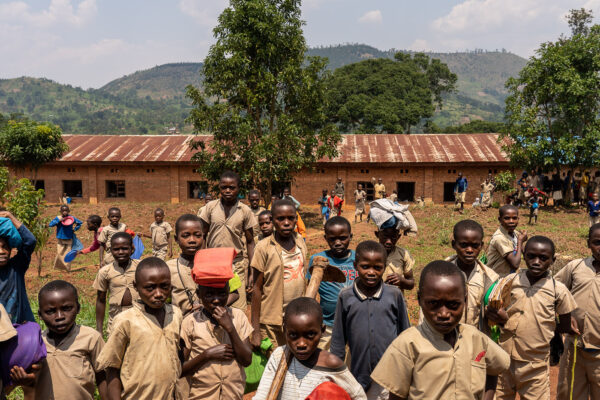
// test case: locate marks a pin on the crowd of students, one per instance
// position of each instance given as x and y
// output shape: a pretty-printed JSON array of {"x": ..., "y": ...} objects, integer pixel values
[{"x": 178, "y": 329}]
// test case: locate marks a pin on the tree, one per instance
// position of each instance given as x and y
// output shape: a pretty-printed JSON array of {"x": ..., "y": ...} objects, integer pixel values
[
  {"x": 387, "y": 96},
  {"x": 262, "y": 101},
  {"x": 579, "y": 21},
  {"x": 553, "y": 106},
  {"x": 30, "y": 144}
]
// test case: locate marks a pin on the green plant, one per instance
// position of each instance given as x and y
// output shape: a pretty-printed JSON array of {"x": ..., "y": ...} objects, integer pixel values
[
  {"x": 5, "y": 182},
  {"x": 25, "y": 202},
  {"x": 41, "y": 231},
  {"x": 505, "y": 181}
]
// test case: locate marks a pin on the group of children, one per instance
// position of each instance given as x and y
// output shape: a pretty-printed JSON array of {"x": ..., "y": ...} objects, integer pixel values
[{"x": 356, "y": 335}]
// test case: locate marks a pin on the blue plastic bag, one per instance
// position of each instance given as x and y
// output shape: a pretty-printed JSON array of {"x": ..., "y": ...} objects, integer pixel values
[{"x": 139, "y": 248}]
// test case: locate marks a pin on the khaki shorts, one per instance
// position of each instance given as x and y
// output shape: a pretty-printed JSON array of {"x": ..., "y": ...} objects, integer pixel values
[
  {"x": 460, "y": 197},
  {"x": 274, "y": 333}
]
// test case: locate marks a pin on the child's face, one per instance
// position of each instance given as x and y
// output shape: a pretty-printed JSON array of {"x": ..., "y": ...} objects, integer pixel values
[
  {"x": 332, "y": 193},
  {"x": 286, "y": 192},
  {"x": 159, "y": 216},
  {"x": 370, "y": 267},
  {"x": 302, "y": 335},
  {"x": 208, "y": 198},
  {"x": 154, "y": 286},
  {"x": 254, "y": 200},
  {"x": 468, "y": 245},
  {"x": 338, "y": 238},
  {"x": 594, "y": 244},
  {"x": 284, "y": 220},
  {"x": 265, "y": 223},
  {"x": 388, "y": 237},
  {"x": 4, "y": 252},
  {"x": 230, "y": 189},
  {"x": 509, "y": 220},
  {"x": 538, "y": 257},
  {"x": 442, "y": 300},
  {"x": 121, "y": 250},
  {"x": 58, "y": 310},
  {"x": 324, "y": 193},
  {"x": 114, "y": 216},
  {"x": 359, "y": 187},
  {"x": 189, "y": 237},
  {"x": 64, "y": 211},
  {"x": 91, "y": 226},
  {"x": 213, "y": 297},
  {"x": 595, "y": 197}
]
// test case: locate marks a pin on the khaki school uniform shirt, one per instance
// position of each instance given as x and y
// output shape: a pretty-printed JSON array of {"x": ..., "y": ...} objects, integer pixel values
[
  {"x": 420, "y": 364},
  {"x": 532, "y": 316},
  {"x": 294, "y": 283},
  {"x": 159, "y": 234},
  {"x": 228, "y": 231},
  {"x": 145, "y": 353},
  {"x": 583, "y": 281},
  {"x": 104, "y": 238},
  {"x": 115, "y": 280},
  {"x": 478, "y": 283},
  {"x": 267, "y": 259},
  {"x": 215, "y": 380},
  {"x": 69, "y": 370},
  {"x": 379, "y": 190},
  {"x": 256, "y": 229},
  {"x": 7, "y": 330},
  {"x": 399, "y": 261},
  {"x": 183, "y": 292},
  {"x": 501, "y": 245}
]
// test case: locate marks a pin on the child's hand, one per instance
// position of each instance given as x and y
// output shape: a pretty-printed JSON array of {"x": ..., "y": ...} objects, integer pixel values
[
  {"x": 21, "y": 378},
  {"x": 223, "y": 318},
  {"x": 6, "y": 214},
  {"x": 574, "y": 327},
  {"x": 220, "y": 352},
  {"x": 522, "y": 237},
  {"x": 498, "y": 316},
  {"x": 255, "y": 339},
  {"x": 393, "y": 279}
]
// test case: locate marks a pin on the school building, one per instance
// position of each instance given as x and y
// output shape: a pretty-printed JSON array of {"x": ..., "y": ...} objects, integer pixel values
[{"x": 159, "y": 168}]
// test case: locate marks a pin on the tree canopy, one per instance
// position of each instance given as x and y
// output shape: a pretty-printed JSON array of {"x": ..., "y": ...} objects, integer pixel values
[
  {"x": 388, "y": 96},
  {"x": 553, "y": 106},
  {"x": 262, "y": 101}
]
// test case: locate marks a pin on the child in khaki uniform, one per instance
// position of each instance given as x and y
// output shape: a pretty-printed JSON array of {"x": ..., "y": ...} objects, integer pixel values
[
  {"x": 141, "y": 355},
  {"x": 441, "y": 358},
  {"x": 582, "y": 279},
  {"x": 225, "y": 221},
  {"x": 265, "y": 224},
  {"x": 504, "y": 250},
  {"x": 116, "y": 279},
  {"x": 279, "y": 266},
  {"x": 528, "y": 323},
  {"x": 114, "y": 216},
  {"x": 70, "y": 371},
  {"x": 160, "y": 233},
  {"x": 215, "y": 338},
  {"x": 398, "y": 271}
]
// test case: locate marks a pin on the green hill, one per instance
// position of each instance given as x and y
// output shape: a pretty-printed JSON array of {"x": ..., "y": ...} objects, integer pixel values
[{"x": 153, "y": 100}]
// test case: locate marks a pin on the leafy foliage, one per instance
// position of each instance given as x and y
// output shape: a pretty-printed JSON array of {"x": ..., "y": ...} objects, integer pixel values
[
  {"x": 385, "y": 96},
  {"x": 5, "y": 182},
  {"x": 505, "y": 181},
  {"x": 42, "y": 232},
  {"x": 554, "y": 104},
  {"x": 264, "y": 107},
  {"x": 476, "y": 126}
]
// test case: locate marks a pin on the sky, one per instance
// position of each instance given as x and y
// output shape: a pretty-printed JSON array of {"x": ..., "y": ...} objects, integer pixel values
[{"x": 88, "y": 43}]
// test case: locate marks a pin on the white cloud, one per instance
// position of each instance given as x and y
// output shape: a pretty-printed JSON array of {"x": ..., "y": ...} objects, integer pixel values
[
  {"x": 419, "y": 45},
  {"x": 203, "y": 11},
  {"x": 58, "y": 12},
  {"x": 371, "y": 17}
]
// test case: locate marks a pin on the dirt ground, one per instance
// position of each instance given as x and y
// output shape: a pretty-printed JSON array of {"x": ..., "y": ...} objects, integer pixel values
[{"x": 566, "y": 227}]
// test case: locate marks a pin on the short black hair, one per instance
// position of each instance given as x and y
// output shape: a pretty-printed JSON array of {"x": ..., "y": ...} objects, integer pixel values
[
  {"x": 370, "y": 246},
  {"x": 95, "y": 219},
  {"x": 230, "y": 175},
  {"x": 253, "y": 191},
  {"x": 441, "y": 268},
  {"x": 282, "y": 203},
  {"x": 58, "y": 286},
  {"x": 158, "y": 209},
  {"x": 339, "y": 221},
  {"x": 304, "y": 306},
  {"x": 593, "y": 229},
  {"x": 65, "y": 206},
  {"x": 186, "y": 218},
  {"x": 150, "y": 263},
  {"x": 502, "y": 210},
  {"x": 121, "y": 235},
  {"x": 114, "y": 209},
  {"x": 267, "y": 213},
  {"x": 467, "y": 225},
  {"x": 541, "y": 240}
]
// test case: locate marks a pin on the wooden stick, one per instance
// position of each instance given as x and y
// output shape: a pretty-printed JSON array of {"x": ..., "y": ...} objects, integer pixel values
[{"x": 282, "y": 369}]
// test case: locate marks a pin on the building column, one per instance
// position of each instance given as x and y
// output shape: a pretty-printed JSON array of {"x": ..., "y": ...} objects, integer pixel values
[
  {"x": 428, "y": 185},
  {"x": 174, "y": 172},
  {"x": 92, "y": 185}
]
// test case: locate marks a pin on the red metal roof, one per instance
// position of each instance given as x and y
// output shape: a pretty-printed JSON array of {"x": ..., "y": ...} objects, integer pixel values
[{"x": 353, "y": 149}]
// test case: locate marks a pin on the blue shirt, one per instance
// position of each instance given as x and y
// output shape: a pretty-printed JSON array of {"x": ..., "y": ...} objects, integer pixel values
[
  {"x": 461, "y": 185},
  {"x": 368, "y": 325},
  {"x": 65, "y": 231},
  {"x": 329, "y": 291},
  {"x": 13, "y": 294},
  {"x": 594, "y": 209}
]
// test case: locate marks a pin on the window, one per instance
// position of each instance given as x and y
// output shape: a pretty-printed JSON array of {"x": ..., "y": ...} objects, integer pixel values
[
  {"x": 406, "y": 191},
  {"x": 72, "y": 188},
  {"x": 150, "y": 170},
  {"x": 368, "y": 188},
  {"x": 449, "y": 191},
  {"x": 197, "y": 189},
  {"x": 71, "y": 170},
  {"x": 364, "y": 171},
  {"x": 39, "y": 184},
  {"x": 115, "y": 189}
]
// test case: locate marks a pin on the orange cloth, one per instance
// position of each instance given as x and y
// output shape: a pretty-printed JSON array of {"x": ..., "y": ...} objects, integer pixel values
[
  {"x": 213, "y": 267},
  {"x": 328, "y": 391},
  {"x": 300, "y": 227}
]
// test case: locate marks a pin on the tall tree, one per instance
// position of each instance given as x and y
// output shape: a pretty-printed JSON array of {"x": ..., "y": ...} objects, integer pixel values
[
  {"x": 262, "y": 101},
  {"x": 553, "y": 106},
  {"x": 386, "y": 96}
]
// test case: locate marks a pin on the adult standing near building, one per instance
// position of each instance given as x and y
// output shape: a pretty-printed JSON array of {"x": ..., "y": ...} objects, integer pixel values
[
  {"x": 487, "y": 190},
  {"x": 360, "y": 197},
  {"x": 379, "y": 189},
  {"x": 460, "y": 192},
  {"x": 339, "y": 188}
]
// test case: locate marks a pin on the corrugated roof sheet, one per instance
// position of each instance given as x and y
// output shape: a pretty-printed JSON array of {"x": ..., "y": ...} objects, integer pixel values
[{"x": 384, "y": 148}]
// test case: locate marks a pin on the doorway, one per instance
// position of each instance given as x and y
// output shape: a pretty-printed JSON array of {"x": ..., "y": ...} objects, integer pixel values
[{"x": 406, "y": 191}]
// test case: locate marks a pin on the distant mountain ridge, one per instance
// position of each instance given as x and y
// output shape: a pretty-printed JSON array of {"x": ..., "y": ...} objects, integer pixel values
[{"x": 153, "y": 100}]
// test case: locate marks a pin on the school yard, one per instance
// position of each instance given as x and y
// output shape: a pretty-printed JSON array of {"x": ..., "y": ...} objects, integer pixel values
[{"x": 566, "y": 227}]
